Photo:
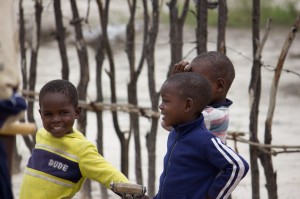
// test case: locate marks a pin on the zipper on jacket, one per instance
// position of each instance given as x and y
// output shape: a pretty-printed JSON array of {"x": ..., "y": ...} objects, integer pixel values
[{"x": 168, "y": 163}]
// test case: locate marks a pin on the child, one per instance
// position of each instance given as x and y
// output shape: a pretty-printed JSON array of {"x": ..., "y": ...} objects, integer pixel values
[
  {"x": 197, "y": 164},
  {"x": 219, "y": 71},
  {"x": 62, "y": 158},
  {"x": 11, "y": 109}
]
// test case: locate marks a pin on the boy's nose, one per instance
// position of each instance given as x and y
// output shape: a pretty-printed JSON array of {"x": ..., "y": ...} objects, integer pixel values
[
  {"x": 55, "y": 118},
  {"x": 160, "y": 106}
]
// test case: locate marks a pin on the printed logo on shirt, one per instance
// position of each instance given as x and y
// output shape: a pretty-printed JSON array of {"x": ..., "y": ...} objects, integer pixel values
[
  {"x": 58, "y": 165},
  {"x": 55, "y": 165}
]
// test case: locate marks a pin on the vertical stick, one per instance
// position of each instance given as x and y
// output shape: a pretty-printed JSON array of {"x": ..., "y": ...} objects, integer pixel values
[
  {"x": 266, "y": 158},
  {"x": 254, "y": 98}
]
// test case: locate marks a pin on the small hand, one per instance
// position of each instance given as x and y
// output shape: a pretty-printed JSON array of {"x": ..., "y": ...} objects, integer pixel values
[
  {"x": 187, "y": 68},
  {"x": 182, "y": 66}
]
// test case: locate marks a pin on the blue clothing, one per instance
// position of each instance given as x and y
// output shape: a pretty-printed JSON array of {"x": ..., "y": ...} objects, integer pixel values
[
  {"x": 5, "y": 183},
  {"x": 226, "y": 103},
  {"x": 197, "y": 164},
  {"x": 11, "y": 107}
]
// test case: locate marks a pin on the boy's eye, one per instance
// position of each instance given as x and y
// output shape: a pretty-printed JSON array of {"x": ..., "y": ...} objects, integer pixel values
[
  {"x": 63, "y": 113},
  {"x": 165, "y": 100},
  {"x": 47, "y": 114}
]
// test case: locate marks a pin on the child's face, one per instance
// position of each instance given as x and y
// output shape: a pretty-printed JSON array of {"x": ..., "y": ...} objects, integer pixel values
[
  {"x": 58, "y": 114},
  {"x": 172, "y": 107}
]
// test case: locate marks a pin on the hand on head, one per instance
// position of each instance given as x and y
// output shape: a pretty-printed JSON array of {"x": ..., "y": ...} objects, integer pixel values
[{"x": 182, "y": 66}]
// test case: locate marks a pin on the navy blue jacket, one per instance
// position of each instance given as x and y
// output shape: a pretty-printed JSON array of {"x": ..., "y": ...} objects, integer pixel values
[
  {"x": 5, "y": 183},
  {"x": 197, "y": 164}
]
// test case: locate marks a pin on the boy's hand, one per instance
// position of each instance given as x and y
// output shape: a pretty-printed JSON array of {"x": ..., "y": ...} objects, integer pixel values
[{"x": 182, "y": 66}]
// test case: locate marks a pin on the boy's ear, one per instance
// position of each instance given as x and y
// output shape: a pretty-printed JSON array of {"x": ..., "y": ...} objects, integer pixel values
[
  {"x": 220, "y": 84},
  {"x": 78, "y": 111},
  {"x": 189, "y": 103}
]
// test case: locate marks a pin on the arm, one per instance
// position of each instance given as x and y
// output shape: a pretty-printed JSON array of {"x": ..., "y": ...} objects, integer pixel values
[
  {"x": 233, "y": 169},
  {"x": 95, "y": 167}
]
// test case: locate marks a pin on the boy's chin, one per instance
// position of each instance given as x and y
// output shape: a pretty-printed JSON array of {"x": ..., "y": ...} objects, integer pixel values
[
  {"x": 168, "y": 128},
  {"x": 57, "y": 135}
]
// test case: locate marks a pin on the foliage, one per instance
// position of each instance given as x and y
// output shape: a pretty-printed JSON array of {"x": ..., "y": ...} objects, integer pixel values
[{"x": 240, "y": 14}]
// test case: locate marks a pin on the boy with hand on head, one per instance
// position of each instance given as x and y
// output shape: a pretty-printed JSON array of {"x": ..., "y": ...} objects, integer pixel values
[
  {"x": 63, "y": 158},
  {"x": 217, "y": 68},
  {"x": 197, "y": 164}
]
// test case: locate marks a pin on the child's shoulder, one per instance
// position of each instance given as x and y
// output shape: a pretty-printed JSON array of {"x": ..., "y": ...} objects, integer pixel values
[
  {"x": 74, "y": 139},
  {"x": 201, "y": 134},
  {"x": 77, "y": 137}
]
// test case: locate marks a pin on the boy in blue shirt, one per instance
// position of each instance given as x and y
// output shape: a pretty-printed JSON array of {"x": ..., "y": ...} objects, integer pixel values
[
  {"x": 197, "y": 164},
  {"x": 217, "y": 68}
]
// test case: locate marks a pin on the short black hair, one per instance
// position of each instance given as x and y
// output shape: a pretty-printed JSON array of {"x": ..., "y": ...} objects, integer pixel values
[
  {"x": 220, "y": 65},
  {"x": 194, "y": 86},
  {"x": 63, "y": 87}
]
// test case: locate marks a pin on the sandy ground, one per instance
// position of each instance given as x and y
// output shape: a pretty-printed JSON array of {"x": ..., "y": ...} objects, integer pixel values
[{"x": 285, "y": 128}]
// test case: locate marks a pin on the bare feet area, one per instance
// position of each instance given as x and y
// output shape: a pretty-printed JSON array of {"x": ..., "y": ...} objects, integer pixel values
[{"x": 285, "y": 128}]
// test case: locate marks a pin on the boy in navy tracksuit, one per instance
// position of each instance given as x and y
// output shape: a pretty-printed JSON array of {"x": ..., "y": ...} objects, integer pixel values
[
  {"x": 218, "y": 69},
  {"x": 197, "y": 164}
]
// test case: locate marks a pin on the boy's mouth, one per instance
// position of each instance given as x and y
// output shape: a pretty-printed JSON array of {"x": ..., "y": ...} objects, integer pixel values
[
  {"x": 57, "y": 131},
  {"x": 56, "y": 127}
]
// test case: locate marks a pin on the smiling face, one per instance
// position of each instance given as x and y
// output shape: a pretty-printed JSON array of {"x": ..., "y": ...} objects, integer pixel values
[
  {"x": 173, "y": 107},
  {"x": 58, "y": 114},
  {"x": 184, "y": 96}
]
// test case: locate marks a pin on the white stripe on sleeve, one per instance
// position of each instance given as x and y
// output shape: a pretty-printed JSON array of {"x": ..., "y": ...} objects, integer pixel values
[{"x": 222, "y": 148}]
